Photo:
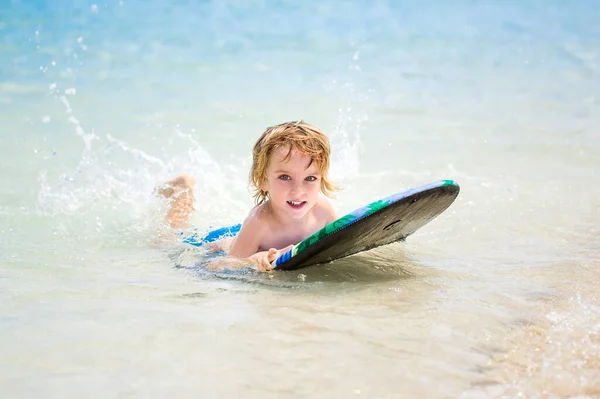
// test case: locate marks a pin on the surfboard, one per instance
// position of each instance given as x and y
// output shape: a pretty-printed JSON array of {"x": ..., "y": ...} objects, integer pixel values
[{"x": 382, "y": 222}]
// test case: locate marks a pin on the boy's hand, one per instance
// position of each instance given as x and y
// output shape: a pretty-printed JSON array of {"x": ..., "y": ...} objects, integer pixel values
[{"x": 263, "y": 259}]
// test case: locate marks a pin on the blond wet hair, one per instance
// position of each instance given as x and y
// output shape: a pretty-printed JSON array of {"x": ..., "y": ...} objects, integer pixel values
[{"x": 295, "y": 135}]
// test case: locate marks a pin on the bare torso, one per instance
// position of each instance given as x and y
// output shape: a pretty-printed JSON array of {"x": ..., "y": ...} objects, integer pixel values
[{"x": 272, "y": 233}]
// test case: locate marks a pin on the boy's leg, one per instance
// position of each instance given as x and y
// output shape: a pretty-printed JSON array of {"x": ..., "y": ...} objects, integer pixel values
[{"x": 180, "y": 192}]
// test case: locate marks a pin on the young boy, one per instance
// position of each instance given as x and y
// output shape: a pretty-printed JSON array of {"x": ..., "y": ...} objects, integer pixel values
[{"x": 290, "y": 164}]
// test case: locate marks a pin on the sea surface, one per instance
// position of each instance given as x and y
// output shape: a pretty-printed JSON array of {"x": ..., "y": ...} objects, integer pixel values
[{"x": 101, "y": 101}]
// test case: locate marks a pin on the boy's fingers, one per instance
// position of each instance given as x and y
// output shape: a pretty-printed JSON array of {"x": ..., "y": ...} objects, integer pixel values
[
  {"x": 265, "y": 266},
  {"x": 272, "y": 255},
  {"x": 263, "y": 263}
]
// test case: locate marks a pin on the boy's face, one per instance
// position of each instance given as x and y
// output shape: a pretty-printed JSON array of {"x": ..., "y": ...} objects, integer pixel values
[{"x": 293, "y": 184}]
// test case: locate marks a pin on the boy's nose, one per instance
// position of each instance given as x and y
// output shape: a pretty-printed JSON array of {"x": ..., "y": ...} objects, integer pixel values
[{"x": 296, "y": 188}]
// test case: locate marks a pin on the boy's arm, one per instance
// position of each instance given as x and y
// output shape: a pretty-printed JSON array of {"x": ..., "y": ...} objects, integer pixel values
[
  {"x": 247, "y": 243},
  {"x": 262, "y": 259}
]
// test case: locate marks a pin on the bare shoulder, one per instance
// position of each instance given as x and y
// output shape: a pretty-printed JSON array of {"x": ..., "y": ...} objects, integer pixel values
[
  {"x": 251, "y": 235},
  {"x": 325, "y": 210},
  {"x": 258, "y": 217}
]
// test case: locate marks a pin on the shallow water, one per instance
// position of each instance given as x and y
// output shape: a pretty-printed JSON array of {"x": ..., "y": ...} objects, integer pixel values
[{"x": 495, "y": 298}]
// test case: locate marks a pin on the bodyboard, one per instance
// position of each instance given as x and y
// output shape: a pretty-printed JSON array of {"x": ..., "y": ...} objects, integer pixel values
[{"x": 379, "y": 223}]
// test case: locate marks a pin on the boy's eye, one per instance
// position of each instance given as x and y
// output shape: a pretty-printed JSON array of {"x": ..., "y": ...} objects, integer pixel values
[
  {"x": 311, "y": 178},
  {"x": 285, "y": 177}
]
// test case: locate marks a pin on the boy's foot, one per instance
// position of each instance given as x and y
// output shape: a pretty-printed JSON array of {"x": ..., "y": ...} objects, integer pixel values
[
  {"x": 176, "y": 185},
  {"x": 180, "y": 192}
]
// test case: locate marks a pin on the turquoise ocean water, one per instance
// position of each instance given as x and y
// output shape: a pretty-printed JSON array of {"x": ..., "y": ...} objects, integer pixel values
[{"x": 102, "y": 100}]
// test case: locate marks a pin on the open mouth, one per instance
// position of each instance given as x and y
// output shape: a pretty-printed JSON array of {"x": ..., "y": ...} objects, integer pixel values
[{"x": 296, "y": 204}]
